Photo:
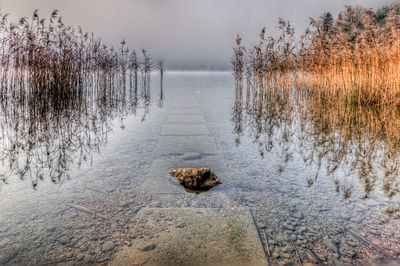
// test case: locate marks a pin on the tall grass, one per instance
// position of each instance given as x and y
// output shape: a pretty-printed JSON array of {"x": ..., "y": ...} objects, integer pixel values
[
  {"x": 50, "y": 60},
  {"x": 353, "y": 59},
  {"x": 331, "y": 96},
  {"x": 334, "y": 140},
  {"x": 60, "y": 89}
]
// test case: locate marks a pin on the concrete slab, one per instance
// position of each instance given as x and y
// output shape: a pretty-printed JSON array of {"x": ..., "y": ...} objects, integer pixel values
[
  {"x": 178, "y": 145},
  {"x": 186, "y": 106},
  {"x": 185, "y": 98},
  {"x": 186, "y": 119},
  {"x": 186, "y": 111},
  {"x": 180, "y": 96},
  {"x": 184, "y": 130},
  {"x": 160, "y": 183},
  {"x": 191, "y": 156},
  {"x": 196, "y": 237},
  {"x": 186, "y": 101}
]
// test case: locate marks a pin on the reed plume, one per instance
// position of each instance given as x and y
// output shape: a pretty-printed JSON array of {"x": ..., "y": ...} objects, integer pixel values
[
  {"x": 354, "y": 59},
  {"x": 60, "y": 88}
]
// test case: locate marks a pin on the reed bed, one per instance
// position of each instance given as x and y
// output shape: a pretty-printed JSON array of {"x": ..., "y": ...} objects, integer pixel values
[
  {"x": 49, "y": 60},
  {"x": 339, "y": 141},
  {"x": 353, "y": 59},
  {"x": 331, "y": 97},
  {"x": 60, "y": 89}
]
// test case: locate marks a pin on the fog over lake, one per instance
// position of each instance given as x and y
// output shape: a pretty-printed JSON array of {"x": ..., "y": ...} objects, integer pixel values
[{"x": 186, "y": 34}]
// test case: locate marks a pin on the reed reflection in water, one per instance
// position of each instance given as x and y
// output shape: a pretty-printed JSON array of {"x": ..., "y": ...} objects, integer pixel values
[
  {"x": 44, "y": 137},
  {"x": 341, "y": 139}
]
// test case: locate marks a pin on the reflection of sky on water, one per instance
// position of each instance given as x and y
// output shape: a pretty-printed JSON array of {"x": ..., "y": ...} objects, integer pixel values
[{"x": 269, "y": 159}]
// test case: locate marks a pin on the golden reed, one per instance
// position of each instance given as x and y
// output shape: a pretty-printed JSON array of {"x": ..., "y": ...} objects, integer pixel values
[{"x": 355, "y": 58}]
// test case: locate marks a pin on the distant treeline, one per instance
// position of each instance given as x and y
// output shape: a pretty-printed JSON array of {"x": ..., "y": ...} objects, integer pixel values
[{"x": 355, "y": 57}]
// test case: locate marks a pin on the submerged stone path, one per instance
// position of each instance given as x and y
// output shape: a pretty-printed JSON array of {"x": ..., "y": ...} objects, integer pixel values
[
  {"x": 194, "y": 236},
  {"x": 191, "y": 236},
  {"x": 185, "y": 141}
]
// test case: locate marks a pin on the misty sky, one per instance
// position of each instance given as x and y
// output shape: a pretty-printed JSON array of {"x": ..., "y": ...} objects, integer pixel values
[{"x": 183, "y": 33}]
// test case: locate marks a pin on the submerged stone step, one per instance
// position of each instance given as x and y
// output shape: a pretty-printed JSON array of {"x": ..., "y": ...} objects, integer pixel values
[
  {"x": 184, "y": 130},
  {"x": 194, "y": 236},
  {"x": 186, "y": 111},
  {"x": 185, "y": 98},
  {"x": 178, "y": 145},
  {"x": 186, "y": 104},
  {"x": 186, "y": 119}
]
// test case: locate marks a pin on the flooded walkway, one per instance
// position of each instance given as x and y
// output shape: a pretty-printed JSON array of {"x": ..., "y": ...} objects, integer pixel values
[
  {"x": 195, "y": 237},
  {"x": 191, "y": 236},
  {"x": 185, "y": 141}
]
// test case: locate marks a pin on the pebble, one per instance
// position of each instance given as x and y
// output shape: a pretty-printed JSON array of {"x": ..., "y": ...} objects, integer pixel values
[
  {"x": 80, "y": 257},
  {"x": 51, "y": 228},
  {"x": 345, "y": 216},
  {"x": 148, "y": 247},
  {"x": 87, "y": 258},
  {"x": 155, "y": 204},
  {"x": 68, "y": 254},
  {"x": 123, "y": 204},
  {"x": 351, "y": 243},
  {"x": 102, "y": 259},
  {"x": 275, "y": 255},
  {"x": 302, "y": 229},
  {"x": 284, "y": 263},
  {"x": 4, "y": 242},
  {"x": 298, "y": 215},
  {"x": 262, "y": 226},
  {"x": 107, "y": 246},
  {"x": 332, "y": 245},
  {"x": 289, "y": 227},
  {"x": 181, "y": 225},
  {"x": 64, "y": 240},
  {"x": 337, "y": 262}
]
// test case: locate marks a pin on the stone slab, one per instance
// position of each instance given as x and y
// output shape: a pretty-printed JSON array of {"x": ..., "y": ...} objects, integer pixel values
[
  {"x": 186, "y": 111},
  {"x": 184, "y": 130},
  {"x": 178, "y": 145},
  {"x": 161, "y": 183},
  {"x": 186, "y": 119},
  {"x": 186, "y": 103},
  {"x": 185, "y": 100},
  {"x": 186, "y": 106},
  {"x": 194, "y": 236},
  {"x": 191, "y": 156}
]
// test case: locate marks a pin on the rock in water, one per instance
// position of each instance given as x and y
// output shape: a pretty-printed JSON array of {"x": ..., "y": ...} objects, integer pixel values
[{"x": 195, "y": 178}]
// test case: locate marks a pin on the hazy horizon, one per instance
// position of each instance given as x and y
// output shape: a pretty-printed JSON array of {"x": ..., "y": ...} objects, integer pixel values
[{"x": 197, "y": 34}]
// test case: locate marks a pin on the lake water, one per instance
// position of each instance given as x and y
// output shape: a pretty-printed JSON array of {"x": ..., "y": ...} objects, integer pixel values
[{"x": 320, "y": 182}]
